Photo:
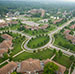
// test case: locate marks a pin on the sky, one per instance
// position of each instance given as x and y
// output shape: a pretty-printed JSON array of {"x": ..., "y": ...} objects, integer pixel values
[{"x": 41, "y": 0}]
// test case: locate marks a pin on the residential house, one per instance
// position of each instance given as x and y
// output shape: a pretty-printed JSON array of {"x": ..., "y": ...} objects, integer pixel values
[
  {"x": 30, "y": 66},
  {"x": 67, "y": 31},
  {"x": 44, "y": 26},
  {"x": 57, "y": 21},
  {"x": 6, "y": 44},
  {"x": 6, "y": 37},
  {"x": 44, "y": 21},
  {"x": 72, "y": 26},
  {"x": 9, "y": 68}
]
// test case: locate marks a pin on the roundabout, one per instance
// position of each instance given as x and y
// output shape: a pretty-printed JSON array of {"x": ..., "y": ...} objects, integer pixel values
[{"x": 37, "y": 42}]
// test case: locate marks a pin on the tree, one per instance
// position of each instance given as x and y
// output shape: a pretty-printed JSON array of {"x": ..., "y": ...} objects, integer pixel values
[
  {"x": 72, "y": 58},
  {"x": 71, "y": 33},
  {"x": 13, "y": 73},
  {"x": 50, "y": 68},
  {"x": 54, "y": 51},
  {"x": 5, "y": 56},
  {"x": 10, "y": 58},
  {"x": 60, "y": 53}
]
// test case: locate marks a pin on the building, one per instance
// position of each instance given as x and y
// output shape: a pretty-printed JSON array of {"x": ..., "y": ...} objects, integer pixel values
[
  {"x": 3, "y": 23},
  {"x": 35, "y": 11},
  {"x": 35, "y": 66},
  {"x": 6, "y": 37},
  {"x": 9, "y": 68},
  {"x": 57, "y": 21},
  {"x": 44, "y": 26},
  {"x": 67, "y": 31},
  {"x": 44, "y": 21},
  {"x": 6, "y": 44},
  {"x": 72, "y": 26},
  {"x": 30, "y": 66},
  {"x": 30, "y": 23}
]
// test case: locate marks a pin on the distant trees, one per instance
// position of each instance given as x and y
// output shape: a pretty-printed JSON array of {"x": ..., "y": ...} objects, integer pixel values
[
  {"x": 50, "y": 68},
  {"x": 54, "y": 51}
]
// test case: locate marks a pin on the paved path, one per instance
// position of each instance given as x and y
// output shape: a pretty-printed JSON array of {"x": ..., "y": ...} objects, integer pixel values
[{"x": 4, "y": 61}]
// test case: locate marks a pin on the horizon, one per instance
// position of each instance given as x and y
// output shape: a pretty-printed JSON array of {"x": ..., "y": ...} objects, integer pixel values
[{"x": 42, "y": 0}]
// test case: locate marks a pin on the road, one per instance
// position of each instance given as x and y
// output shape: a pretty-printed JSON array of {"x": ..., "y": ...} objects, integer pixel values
[{"x": 49, "y": 44}]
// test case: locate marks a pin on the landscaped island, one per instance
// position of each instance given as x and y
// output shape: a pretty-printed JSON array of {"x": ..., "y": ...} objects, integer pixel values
[{"x": 38, "y": 41}]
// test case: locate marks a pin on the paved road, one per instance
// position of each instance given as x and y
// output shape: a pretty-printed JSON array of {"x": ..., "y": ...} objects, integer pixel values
[{"x": 50, "y": 42}]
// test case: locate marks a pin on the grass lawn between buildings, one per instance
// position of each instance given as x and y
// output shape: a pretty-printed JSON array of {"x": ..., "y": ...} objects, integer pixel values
[
  {"x": 61, "y": 41},
  {"x": 44, "y": 54},
  {"x": 38, "y": 41},
  {"x": 63, "y": 60}
]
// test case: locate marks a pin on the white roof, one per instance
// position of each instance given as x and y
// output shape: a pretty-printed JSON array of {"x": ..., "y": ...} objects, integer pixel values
[
  {"x": 31, "y": 23},
  {"x": 2, "y": 21},
  {"x": 8, "y": 19}
]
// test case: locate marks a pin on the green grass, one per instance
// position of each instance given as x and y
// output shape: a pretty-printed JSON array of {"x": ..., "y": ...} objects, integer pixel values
[
  {"x": 60, "y": 40},
  {"x": 3, "y": 64},
  {"x": 39, "y": 55},
  {"x": 38, "y": 41},
  {"x": 63, "y": 60}
]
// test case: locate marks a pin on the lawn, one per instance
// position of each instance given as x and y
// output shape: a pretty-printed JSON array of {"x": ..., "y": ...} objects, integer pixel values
[
  {"x": 38, "y": 41},
  {"x": 60, "y": 40},
  {"x": 63, "y": 60},
  {"x": 39, "y": 55}
]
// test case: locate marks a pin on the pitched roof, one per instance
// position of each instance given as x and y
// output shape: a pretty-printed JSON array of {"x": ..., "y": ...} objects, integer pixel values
[
  {"x": 3, "y": 24},
  {"x": 2, "y": 51},
  {"x": 6, "y": 44},
  {"x": 72, "y": 26},
  {"x": 30, "y": 65},
  {"x": 61, "y": 68},
  {"x": 69, "y": 37},
  {"x": 8, "y": 68},
  {"x": 59, "y": 20},
  {"x": 67, "y": 31},
  {"x": 7, "y": 37},
  {"x": 44, "y": 26}
]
